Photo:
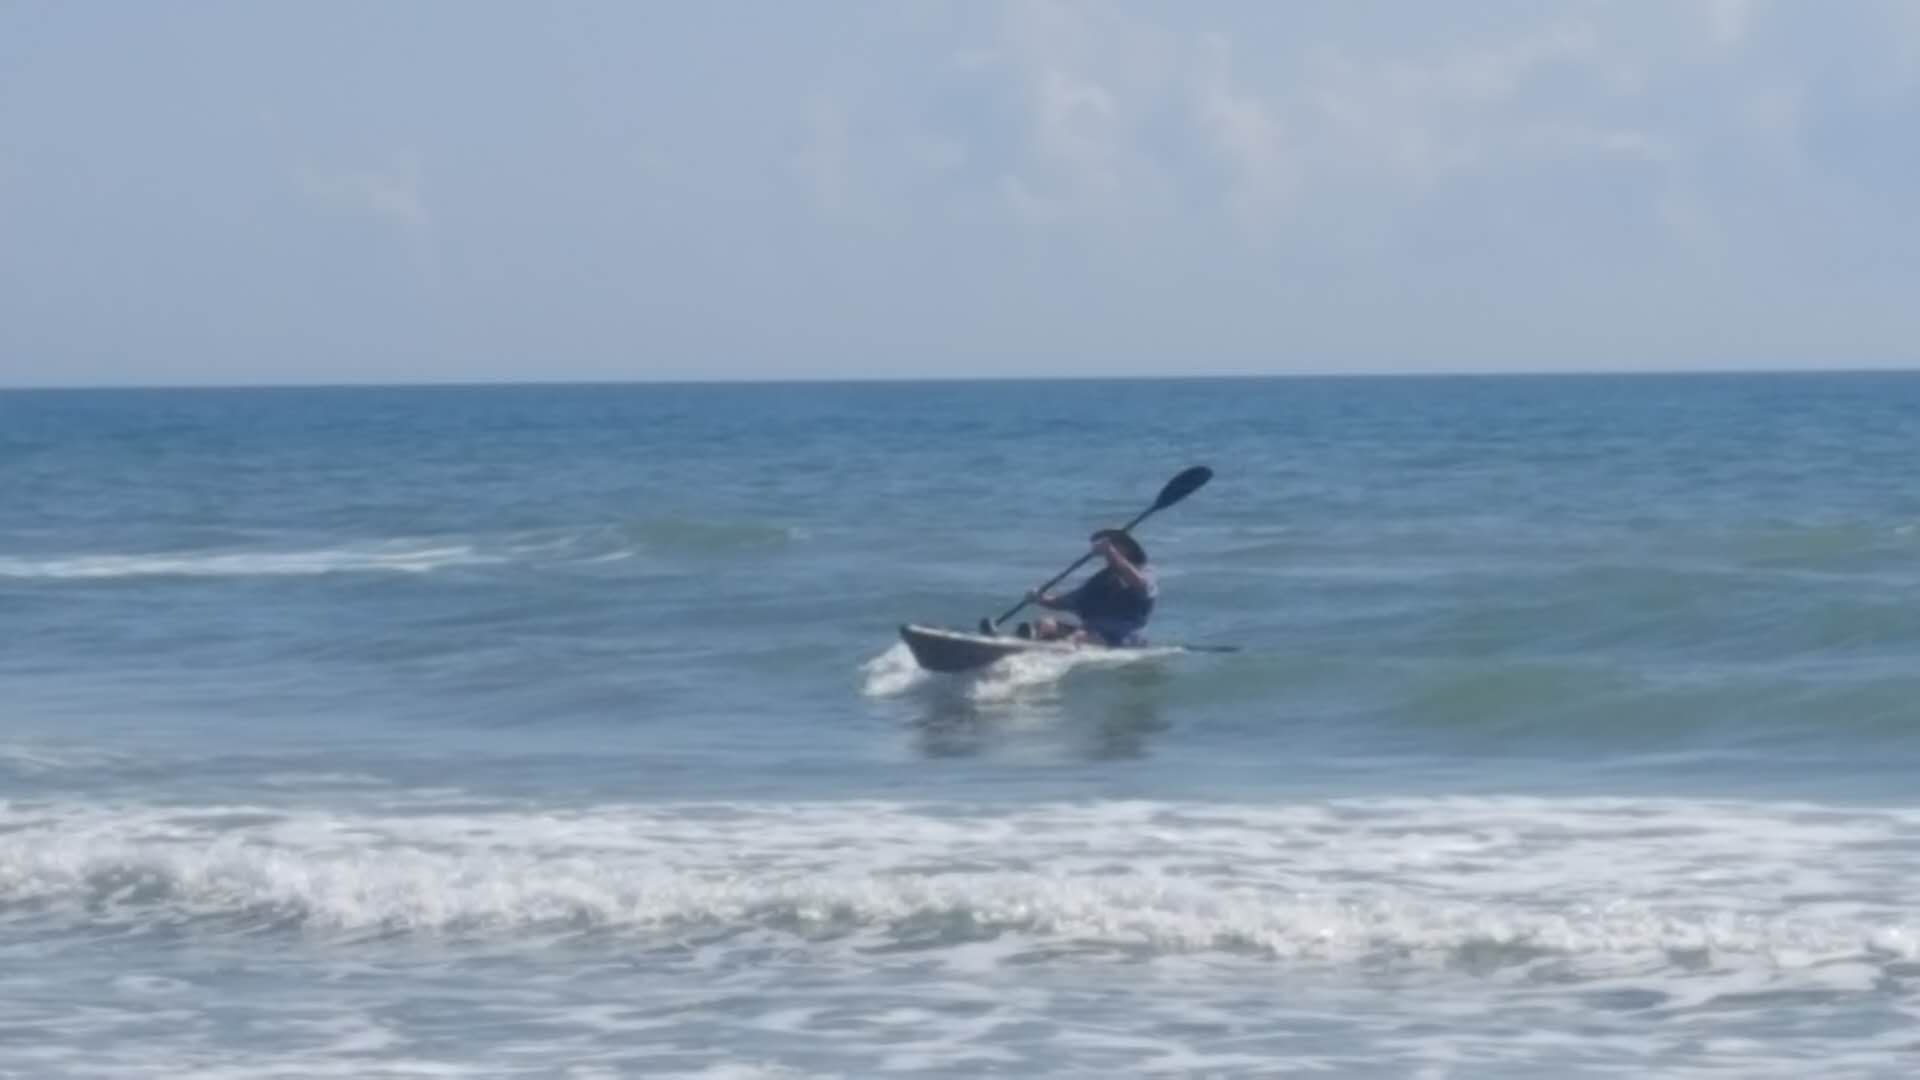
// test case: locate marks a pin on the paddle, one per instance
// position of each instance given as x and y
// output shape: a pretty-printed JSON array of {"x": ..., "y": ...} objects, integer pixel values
[{"x": 1178, "y": 488}]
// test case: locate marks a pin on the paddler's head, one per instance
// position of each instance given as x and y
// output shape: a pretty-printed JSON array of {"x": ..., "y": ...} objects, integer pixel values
[{"x": 1124, "y": 543}]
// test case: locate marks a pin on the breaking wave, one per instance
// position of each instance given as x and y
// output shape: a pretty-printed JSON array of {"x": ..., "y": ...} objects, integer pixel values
[
  {"x": 377, "y": 558},
  {"x": 668, "y": 538},
  {"x": 1487, "y": 882}
]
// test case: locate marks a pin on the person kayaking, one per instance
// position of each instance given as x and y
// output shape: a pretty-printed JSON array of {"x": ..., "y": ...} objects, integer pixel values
[{"x": 1113, "y": 605}]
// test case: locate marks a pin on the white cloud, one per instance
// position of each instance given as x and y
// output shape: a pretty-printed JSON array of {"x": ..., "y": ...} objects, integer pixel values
[
  {"x": 1774, "y": 116},
  {"x": 1089, "y": 76},
  {"x": 935, "y": 153},
  {"x": 1248, "y": 134},
  {"x": 1727, "y": 22},
  {"x": 1422, "y": 119},
  {"x": 822, "y": 162},
  {"x": 1490, "y": 74},
  {"x": 1574, "y": 140},
  {"x": 1330, "y": 125},
  {"x": 1076, "y": 128},
  {"x": 1027, "y": 206},
  {"x": 395, "y": 195},
  {"x": 1072, "y": 181}
]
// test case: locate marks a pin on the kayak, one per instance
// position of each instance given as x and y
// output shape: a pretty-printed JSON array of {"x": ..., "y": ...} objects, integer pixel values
[
  {"x": 957, "y": 650},
  {"x": 940, "y": 649}
]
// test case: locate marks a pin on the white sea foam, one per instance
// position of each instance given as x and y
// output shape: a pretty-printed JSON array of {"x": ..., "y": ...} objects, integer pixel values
[
  {"x": 1588, "y": 884},
  {"x": 870, "y": 938},
  {"x": 894, "y": 672},
  {"x": 320, "y": 780},
  {"x": 586, "y": 545},
  {"x": 34, "y": 758},
  {"x": 373, "y": 558}
]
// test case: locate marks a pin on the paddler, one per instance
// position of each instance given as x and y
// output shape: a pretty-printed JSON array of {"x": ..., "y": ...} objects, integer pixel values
[{"x": 1113, "y": 605}]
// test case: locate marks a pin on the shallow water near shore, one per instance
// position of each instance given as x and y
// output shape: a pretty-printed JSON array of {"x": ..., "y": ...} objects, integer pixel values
[{"x": 562, "y": 731}]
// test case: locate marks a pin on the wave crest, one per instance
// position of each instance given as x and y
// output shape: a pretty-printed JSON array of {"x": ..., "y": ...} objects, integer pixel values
[
  {"x": 379, "y": 558},
  {"x": 1481, "y": 883}
]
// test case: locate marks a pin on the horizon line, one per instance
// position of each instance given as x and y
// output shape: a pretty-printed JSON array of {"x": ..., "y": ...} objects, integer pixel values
[{"x": 828, "y": 380}]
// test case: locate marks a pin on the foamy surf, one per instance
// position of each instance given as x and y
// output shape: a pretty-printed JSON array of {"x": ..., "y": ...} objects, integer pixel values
[
  {"x": 1581, "y": 887},
  {"x": 894, "y": 672},
  {"x": 379, "y": 558},
  {"x": 668, "y": 538},
  {"x": 586, "y": 545},
  {"x": 40, "y": 758},
  {"x": 916, "y": 936}
]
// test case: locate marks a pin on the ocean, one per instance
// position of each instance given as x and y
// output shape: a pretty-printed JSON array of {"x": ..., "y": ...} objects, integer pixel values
[{"x": 563, "y": 731}]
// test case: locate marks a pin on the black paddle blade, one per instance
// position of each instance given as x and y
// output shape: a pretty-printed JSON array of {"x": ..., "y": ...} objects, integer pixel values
[{"x": 1182, "y": 486}]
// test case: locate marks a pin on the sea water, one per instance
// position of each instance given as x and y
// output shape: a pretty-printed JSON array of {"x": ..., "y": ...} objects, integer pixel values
[{"x": 563, "y": 731}]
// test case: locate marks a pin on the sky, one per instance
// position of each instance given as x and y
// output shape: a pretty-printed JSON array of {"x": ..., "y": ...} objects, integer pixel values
[{"x": 464, "y": 190}]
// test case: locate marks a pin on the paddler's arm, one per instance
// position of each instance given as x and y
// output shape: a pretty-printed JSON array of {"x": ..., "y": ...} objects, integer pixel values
[
  {"x": 1128, "y": 573},
  {"x": 1049, "y": 600}
]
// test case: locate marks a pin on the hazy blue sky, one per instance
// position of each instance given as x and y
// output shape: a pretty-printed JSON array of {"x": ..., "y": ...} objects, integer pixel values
[{"x": 272, "y": 192}]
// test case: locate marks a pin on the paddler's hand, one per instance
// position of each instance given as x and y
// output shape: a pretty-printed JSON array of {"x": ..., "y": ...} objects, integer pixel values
[{"x": 1035, "y": 596}]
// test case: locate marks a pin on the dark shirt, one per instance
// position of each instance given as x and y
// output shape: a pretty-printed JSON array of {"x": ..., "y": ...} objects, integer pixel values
[{"x": 1106, "y": 597}]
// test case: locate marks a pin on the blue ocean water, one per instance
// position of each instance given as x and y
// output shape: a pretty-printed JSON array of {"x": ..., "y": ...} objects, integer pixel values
[{"x": 562, "y": 731}]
